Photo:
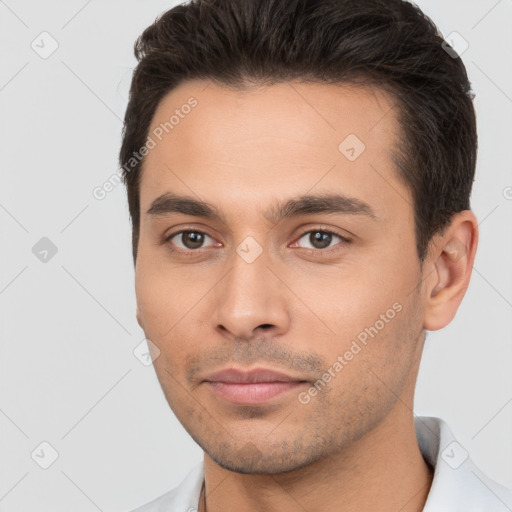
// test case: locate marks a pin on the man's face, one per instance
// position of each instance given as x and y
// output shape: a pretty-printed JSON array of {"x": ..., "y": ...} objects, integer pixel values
[{"x": 257, "y": 292}]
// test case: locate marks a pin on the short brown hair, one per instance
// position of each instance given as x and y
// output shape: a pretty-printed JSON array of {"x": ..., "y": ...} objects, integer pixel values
[{"x": 389, "y": 44}]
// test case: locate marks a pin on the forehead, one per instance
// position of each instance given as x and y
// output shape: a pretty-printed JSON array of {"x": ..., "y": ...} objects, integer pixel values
[
  {"x": 269, "y": 140},
  {"x": 316, "y": 113}
]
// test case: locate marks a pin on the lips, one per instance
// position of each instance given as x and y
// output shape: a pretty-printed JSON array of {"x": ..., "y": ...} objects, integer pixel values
[
  {"x": 232, "y": 375},
  {"x": 253, "y": 387}
]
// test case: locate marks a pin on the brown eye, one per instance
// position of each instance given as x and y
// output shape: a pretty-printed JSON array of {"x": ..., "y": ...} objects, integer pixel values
[
  {"x": 190, "y": 240},
  {"x": 321, "y": 239}
]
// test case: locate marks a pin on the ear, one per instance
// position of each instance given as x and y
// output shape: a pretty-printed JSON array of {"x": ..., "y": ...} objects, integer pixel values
[
  {"x": 139, "y": 318},
  {"x": 448, "y": 269}
]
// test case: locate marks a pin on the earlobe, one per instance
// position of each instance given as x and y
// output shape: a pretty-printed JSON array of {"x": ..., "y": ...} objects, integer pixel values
[{"x": 452, "y": 259}]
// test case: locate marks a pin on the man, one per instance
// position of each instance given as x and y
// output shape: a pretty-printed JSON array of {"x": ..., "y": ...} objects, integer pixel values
[{"x": 298, "y": 177}]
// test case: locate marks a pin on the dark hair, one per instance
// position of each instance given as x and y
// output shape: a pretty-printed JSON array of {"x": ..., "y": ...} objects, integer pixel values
[{"x": 389, "y": 44}]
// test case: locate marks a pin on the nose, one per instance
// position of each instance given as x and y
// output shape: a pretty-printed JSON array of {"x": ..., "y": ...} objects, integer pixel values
[{"x": 251, "y": 301}]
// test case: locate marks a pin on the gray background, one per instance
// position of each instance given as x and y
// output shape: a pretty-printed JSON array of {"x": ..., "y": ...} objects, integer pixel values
[{"x": 68, "y": 330}]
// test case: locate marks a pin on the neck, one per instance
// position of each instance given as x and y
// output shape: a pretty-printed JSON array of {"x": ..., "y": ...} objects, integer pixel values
[{"x": 384, "y": 467}]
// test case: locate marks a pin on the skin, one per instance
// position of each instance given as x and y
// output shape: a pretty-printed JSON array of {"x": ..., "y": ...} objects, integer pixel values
[{"x": 296, "y": 307}]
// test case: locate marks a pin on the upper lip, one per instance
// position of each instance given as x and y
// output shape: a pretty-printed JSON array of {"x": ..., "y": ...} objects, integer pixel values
[{"x": 256, "y": 375}]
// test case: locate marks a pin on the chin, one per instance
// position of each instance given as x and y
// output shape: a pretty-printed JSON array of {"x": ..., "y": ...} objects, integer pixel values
[{"x": 249, "y": 459}]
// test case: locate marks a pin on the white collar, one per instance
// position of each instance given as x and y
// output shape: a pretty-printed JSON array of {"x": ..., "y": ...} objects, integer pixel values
[{"x": 458, "y": 485}]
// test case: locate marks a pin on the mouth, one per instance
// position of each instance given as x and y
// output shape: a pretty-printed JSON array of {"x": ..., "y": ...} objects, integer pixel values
[{"x": 253, "y": 387}]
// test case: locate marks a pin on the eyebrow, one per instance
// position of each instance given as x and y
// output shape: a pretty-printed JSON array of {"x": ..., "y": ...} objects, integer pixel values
[{"x": 170, "y": 203}]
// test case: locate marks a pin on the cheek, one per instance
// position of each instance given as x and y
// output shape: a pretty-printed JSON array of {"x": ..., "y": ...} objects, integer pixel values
[
  {"x": 345, "y": 301},
  {"x": 370, "y": 317},
  {"x": 157, "y": 298},
  {"x": 170, "y": 305},
  {"x": 371, "y": 363}
]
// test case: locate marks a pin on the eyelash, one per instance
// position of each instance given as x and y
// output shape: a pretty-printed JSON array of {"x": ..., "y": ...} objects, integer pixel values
[{"x": 185, "y": 252}]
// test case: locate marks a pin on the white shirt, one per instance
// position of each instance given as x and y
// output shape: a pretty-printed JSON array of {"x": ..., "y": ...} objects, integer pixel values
[{"x": 458, "y": 485}]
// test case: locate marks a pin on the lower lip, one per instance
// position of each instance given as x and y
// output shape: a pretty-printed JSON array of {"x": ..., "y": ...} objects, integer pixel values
[{"x": 254, "y": 393}]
